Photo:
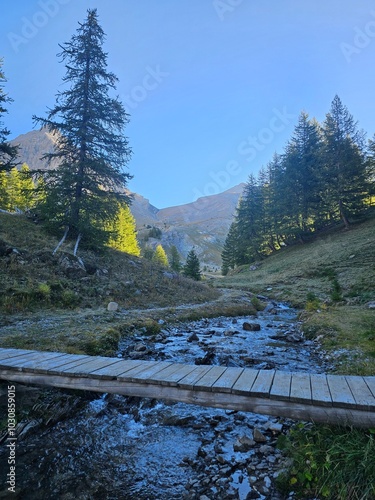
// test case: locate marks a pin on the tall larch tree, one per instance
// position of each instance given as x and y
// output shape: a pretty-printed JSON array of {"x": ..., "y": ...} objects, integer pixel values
[
  {"x": 124, "y": 232},
  {"x": 82, "y": 194},
  {"x": 160, "y": 257}
]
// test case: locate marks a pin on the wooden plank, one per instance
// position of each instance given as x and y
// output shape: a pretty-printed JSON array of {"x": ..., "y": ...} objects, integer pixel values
[
  {"x": 113, "y": 371},
  {"x": 174, "y": 378},
  {"x": 362, "y": 394},
  {"x": 46, "y": 365},
  {"x": 227, "y": 380},
  {"x": 370, "y": 381},
  {"x": 193, "y": 377},
  {"x": 94, "y": 364},
  {"x": 300, "y": 389},
  {"x": 64, "y": 367},
  {"x": 340, "y": 392},
  {"x": 19, "y": 361},
  {"x": 206, "y": 382},
  {"x": 42, "y": 357},
  {"x": 144, "y": 372},
  {"x": 245, "y": 381},
  {"x": 281, "y": 386},
  {"x": 262, "y": 384},
  {"x": 320, "y": 393},
  {"x": 12, "y": 353},
  {"x": 172, "y": 371}
]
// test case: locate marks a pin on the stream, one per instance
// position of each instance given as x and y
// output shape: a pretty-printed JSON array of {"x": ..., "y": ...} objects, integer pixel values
[{"x": 119, "y": 447}]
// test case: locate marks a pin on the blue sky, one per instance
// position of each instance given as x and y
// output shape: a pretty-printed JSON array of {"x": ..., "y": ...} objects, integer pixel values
[{"x": 213, "y": 87}]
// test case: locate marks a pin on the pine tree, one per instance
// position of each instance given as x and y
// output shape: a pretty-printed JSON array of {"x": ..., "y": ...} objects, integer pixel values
[
  {"x": 125, "y": 234},
  {"x": 160, "y": 257},
  {"x": 8, "y": 153},
  {"x": 191, "y": 268},
  {"x": 27, "y": 198},
  {"x": 273, "y": 204},
  {"x": 370, "y": 166},
  {"x": 229, "y": 254},
  {"x": 249, "y": 222},
  {"x": 82, "y": 194},
  {"x": 345, "y": 168},
  {"x": 147, "y": 253},
  {"x": 301, "y": 180},
  {"x": 175, "y": 261}
]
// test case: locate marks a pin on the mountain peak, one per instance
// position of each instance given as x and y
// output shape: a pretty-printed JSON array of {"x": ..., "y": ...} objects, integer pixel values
[{"x": 203, "y": 223}]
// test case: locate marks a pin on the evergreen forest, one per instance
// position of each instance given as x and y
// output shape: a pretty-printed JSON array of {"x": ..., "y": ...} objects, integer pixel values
[{"x": 324, "y": 178}]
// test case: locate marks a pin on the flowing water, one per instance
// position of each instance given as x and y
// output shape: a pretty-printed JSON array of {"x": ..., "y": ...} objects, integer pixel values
[{"x": 132, "y": 448}]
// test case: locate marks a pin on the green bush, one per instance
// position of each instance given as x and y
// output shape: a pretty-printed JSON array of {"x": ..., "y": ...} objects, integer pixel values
[
  {"x": 43, "y": 291},
  {"x": 69, "y": 298}
]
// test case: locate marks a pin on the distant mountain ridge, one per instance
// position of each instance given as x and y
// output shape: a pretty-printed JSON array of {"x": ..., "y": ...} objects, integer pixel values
[{"x": 202, "y": 224}]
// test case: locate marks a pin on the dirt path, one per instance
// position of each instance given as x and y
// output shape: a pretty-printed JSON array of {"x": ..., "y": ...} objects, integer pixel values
[{"x": 97, "y": 331}]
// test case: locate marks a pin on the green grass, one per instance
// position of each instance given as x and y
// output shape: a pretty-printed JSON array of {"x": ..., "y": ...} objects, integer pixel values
[
  {"x": 329, "y": 463},
  {"x": 348, "y": 256},
  {"x": 332, "y": 279},
  {"x": 32, "y": 278}
]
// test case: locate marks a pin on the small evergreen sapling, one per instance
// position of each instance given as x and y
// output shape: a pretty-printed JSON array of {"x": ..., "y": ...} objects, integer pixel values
[{"x": 192, "y": 266}]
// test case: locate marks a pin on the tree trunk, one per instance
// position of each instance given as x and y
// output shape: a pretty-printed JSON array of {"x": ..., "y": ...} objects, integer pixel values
[
  {"x": 61, "y": 241},
  {"x": 342, "y": 215},
  {"x": 76, "y": 245}
]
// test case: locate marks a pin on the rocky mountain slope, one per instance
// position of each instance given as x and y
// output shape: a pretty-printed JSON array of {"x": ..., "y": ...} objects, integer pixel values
[{"x": 202, "y": 224}]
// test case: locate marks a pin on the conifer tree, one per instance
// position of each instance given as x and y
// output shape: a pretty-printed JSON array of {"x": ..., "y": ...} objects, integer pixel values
[
  {"x": 14, "y": 189},
  {"x": 370, "y": 166},
  {"x": 28, "y": 198},
  {"x": 4, "y": 195},
  {"x": 345, "y": 168},
  {"x": 301, "y": 180},
  {"x": 125, "y": 234},
  {"x": 191, "y": 268},
  {"x": 8, "y": 153},
  {"x": 229, "y": 255},
  {"x": 249, "y": 222},
  {"x": 273, "y": 204},
  {"x": 82, "y": 194},
  {"x": 175, "y": 261},
  {"x": 160, "y": 257},
  {"x": 147, "y": 253},
  {"x": 21, "y": 188}
]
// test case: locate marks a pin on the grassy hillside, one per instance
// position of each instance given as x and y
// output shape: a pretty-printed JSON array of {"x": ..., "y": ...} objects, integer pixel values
[
  {"x": 50, "y": 302},
  {"x": 332, "y": 280},
  {"x": 32, "y": 278}
]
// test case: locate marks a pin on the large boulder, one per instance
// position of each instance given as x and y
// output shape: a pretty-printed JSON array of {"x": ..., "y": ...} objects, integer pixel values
[{"x": 251, "y": 327}]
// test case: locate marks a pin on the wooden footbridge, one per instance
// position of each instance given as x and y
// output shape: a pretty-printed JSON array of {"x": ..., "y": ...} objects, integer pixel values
[{"x": 335, "y": 399}]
